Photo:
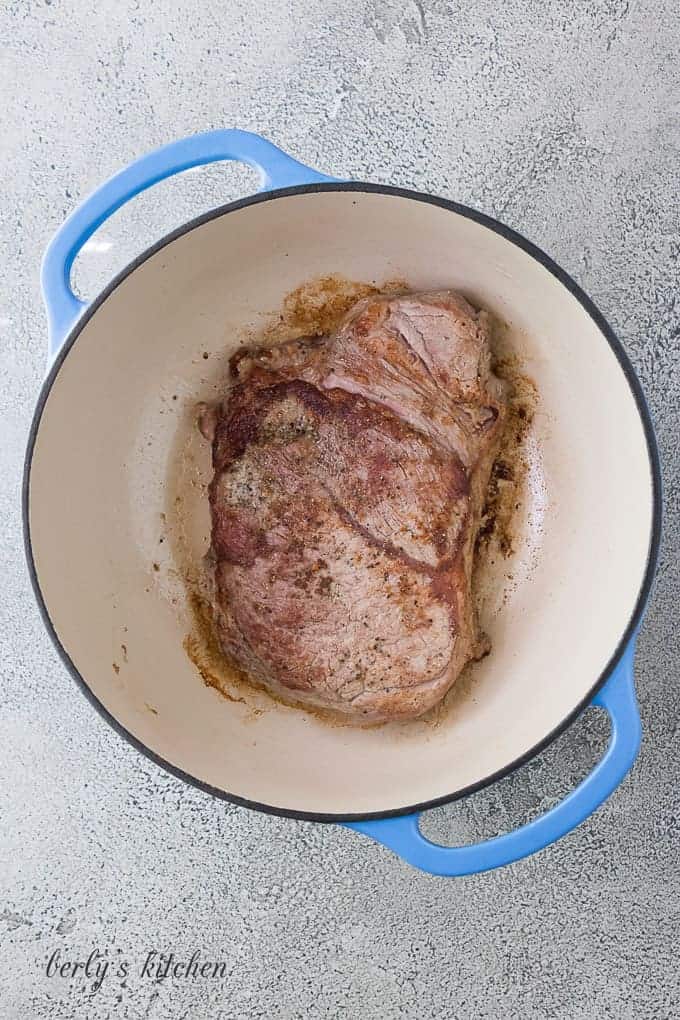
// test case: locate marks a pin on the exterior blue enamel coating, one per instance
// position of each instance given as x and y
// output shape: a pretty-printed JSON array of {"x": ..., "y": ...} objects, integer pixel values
[
  {"x": 403, "y": 836},
  {"x": 617, "y": 697},
  {"x": 277, "y": 170}
]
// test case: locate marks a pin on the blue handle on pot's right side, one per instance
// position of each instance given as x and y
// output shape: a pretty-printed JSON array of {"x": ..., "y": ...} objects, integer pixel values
[
  {"x": 403, "y": 836},
  {"x": 277, "y": 170}
]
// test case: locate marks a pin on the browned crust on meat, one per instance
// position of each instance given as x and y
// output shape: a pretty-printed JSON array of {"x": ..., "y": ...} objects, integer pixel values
[{"x": 321, "y": 486}]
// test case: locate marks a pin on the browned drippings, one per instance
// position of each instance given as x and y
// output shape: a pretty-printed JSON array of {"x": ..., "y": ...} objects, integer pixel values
[
  {"x": 317, "y": 308},
  {"x": 505, "y": 492},
  {"x": 204, "y": 650}
]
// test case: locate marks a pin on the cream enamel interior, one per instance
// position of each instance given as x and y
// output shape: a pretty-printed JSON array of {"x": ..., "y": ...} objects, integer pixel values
[{"x": 104, "y": 471}]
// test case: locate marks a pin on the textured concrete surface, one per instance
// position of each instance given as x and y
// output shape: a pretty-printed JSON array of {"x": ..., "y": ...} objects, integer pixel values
[{"x": 561, "y": 119}]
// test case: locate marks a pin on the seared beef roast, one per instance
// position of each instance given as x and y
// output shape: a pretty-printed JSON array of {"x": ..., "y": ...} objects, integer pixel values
[{"x": 350, "y": 476}]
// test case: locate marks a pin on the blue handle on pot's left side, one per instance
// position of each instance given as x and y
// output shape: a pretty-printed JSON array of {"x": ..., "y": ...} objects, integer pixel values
[
  {"x": 277, "y": 170},
  {"x": 403, "y": 836}
]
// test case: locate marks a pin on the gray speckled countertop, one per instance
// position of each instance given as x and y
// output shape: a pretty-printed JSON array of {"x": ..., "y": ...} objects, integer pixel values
[{"x": 560, "y": 119}]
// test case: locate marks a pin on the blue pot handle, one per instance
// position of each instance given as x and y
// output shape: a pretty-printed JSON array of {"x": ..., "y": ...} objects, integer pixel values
[
  {"x": 403, "y": 836},
  {"x": 277, "y": 170}
]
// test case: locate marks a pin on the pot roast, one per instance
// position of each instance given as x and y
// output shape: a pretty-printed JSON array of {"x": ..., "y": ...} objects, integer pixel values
[{"x": 350, "y": 474}]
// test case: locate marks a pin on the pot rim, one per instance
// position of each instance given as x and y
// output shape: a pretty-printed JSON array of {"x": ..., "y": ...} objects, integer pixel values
[{"x": 603, "y": 326}]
